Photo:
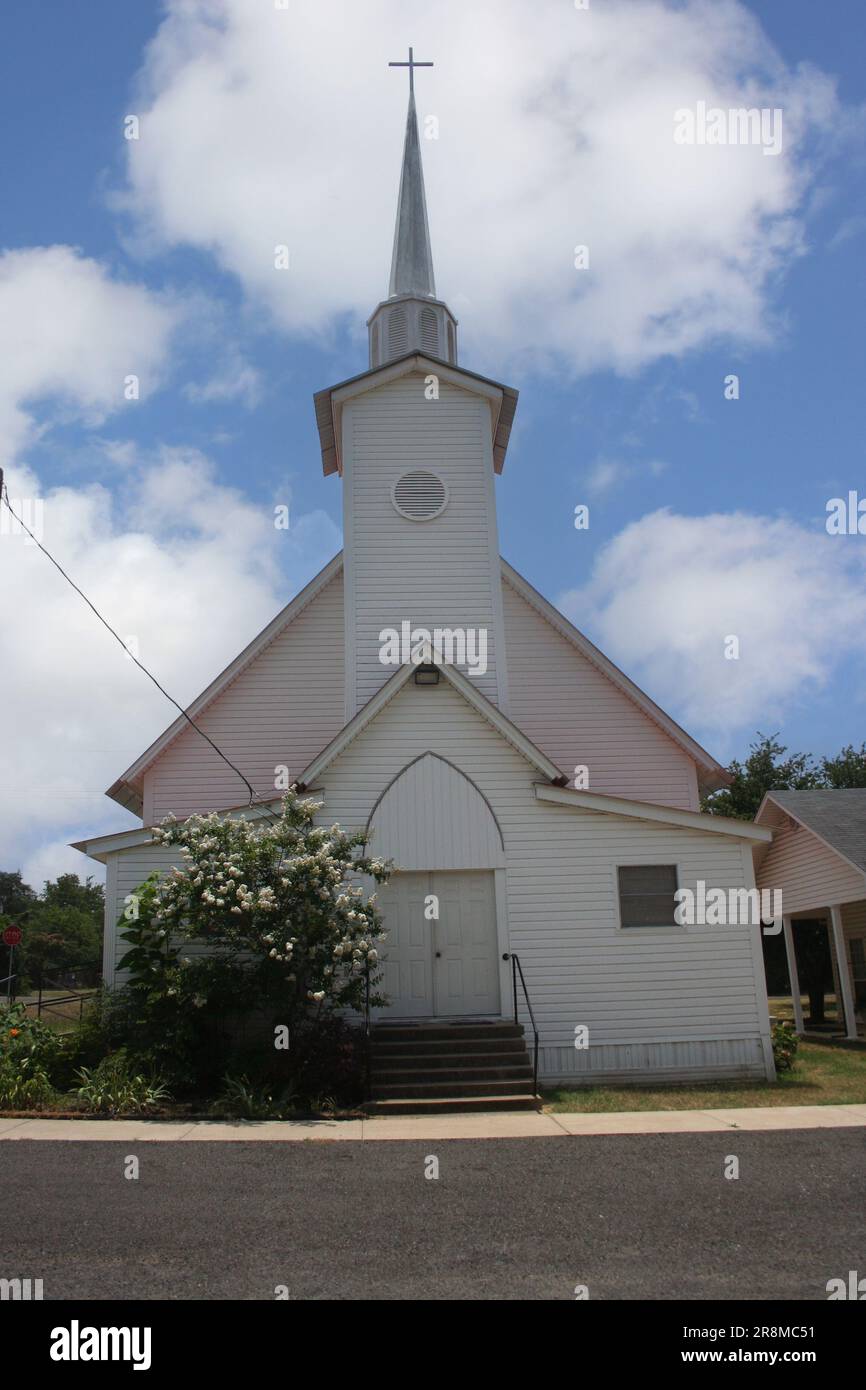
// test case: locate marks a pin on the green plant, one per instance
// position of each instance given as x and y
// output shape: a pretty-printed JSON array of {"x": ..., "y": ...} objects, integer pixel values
[
  {"x": 25, "y": 1039},
  {"x": 785, "y": 1044},
  {"x": 289, "y": 935},
  {"x": 24, "y": 1085},
  {"x": 243, "y": 1100},
  {"x": 114, "y": 1087}
]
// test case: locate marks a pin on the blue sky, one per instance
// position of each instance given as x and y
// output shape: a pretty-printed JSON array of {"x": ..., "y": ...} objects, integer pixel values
[{"x": 628, "y": 438}]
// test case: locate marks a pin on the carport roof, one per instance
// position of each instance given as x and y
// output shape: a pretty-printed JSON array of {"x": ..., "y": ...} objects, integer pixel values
[{"x": 836, "y": 814}]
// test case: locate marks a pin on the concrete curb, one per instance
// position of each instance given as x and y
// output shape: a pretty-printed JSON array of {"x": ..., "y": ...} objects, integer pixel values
[{"x": 492, "y": 1125}]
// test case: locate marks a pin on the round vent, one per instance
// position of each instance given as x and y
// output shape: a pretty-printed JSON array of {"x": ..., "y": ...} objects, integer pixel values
[{"x": 419, "y": 495}]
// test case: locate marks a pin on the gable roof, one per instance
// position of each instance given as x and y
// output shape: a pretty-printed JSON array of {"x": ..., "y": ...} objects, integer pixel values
[
  {"x": 329, "y": 402},
  {"x": 715, "y": 775},
  {"x": 464, "y": 687},
  {"x": 127, "y": 790},
  {"x": 836, "y": 815}
]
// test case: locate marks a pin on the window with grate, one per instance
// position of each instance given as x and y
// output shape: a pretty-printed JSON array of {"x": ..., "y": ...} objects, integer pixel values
[
  {"x": 646, "y": 895},
  {"x": 419, "y": 495}
]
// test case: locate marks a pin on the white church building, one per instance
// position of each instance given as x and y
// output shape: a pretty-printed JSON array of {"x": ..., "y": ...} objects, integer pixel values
[{"x": 422, "y": 689}]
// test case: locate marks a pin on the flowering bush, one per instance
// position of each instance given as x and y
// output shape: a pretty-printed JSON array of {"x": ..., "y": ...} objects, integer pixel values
[
  {"x": 785, "y": 1044},
  {"x": 30, "y": 1055},
  {"x": 286, "y": 931}
]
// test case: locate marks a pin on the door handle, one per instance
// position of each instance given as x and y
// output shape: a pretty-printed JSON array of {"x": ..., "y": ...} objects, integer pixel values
[{"x": 438, "y": 954}]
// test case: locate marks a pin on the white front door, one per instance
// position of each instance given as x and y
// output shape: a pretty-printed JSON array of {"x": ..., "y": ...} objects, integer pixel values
[
  {"x": 445, "y": 967},
  {"x": 407, "y": 961}
]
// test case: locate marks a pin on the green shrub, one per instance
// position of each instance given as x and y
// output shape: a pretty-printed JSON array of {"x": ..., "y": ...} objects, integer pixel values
[
  {"x": 243, "y": 1100},
  {"x": 24, "y": 1085},
  {"x": 785, "y": 1044},
  {"x": 25, "y": 1039},
  {"x": 324, "y": 1056},
  {"x": 114, "y": 1087},
  {"x": 291, "y": 937}
]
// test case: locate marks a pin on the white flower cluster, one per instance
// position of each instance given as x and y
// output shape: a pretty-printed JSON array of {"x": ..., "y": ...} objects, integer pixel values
[{"x": 245, "y": 872}]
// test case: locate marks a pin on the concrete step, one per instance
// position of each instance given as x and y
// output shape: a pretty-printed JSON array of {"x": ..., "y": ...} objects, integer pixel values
[
  {"x": 453, "y": 1066},
  {"x": 443, "y": 1032},
  {"x": 426, "y": 1061},
  {"x": 419, "y": 1090},
  {"x": 453, "y": 1105},
  {"x": 395, "y": 1076},
  {"x": 449, "y": 1054}
]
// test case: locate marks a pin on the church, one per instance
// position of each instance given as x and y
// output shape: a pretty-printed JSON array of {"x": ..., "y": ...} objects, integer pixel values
[{"x": 540, "y": 810}]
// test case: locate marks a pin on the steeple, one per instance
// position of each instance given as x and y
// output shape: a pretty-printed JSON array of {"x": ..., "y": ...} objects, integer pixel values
[
  {"x": 412, "y": 260},
  {"x": 412, "y": 319}
]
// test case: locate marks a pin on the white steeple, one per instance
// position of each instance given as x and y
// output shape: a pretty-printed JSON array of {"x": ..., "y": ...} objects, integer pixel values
[
  {"x": 412, "y": 319},
  {"x": 412, "y": 259}
]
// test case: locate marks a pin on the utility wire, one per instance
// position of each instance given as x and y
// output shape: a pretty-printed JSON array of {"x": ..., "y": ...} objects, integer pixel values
[{"x": 4, "y": 494}]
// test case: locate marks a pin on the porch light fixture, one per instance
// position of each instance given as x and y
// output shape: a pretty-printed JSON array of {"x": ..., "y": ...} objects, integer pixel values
[{"x": 427, "y": 674}]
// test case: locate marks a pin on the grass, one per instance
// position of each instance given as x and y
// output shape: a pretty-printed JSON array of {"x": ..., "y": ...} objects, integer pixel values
[{"x": 826, "y": 1072}]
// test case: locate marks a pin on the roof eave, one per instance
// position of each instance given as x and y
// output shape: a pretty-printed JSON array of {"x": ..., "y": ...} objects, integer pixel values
[{"x": 601, "y": 803}]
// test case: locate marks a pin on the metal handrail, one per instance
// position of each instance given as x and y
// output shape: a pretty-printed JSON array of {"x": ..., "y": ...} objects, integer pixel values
[{"x": 517, "y": 968}]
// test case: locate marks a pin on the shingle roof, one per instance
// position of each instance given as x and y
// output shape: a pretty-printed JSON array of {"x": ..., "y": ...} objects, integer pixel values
[{"x": 837, "y": 814}]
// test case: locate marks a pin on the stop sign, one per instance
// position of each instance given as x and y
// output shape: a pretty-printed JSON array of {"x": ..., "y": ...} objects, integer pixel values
[{"x": 12, "y": 936}]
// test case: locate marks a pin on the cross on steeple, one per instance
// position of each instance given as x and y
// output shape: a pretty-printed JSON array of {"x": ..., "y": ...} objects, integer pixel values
[{"x": 411, "y": 65}]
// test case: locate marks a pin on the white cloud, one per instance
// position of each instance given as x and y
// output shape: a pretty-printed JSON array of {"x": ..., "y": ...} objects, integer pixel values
[
  {"x": 189, "y": 569},
  {"x": 237, "y": 381},
  {"x": 605, "y": 474},
  {"x": 262, "y": 127},
  {"x": 58, "y": 857},
  {"x": 186, "y": 568},
  {"x": 70, "y": 334},
  {"x": 668, "y": 590},
  {"x": 848, "y": 230}
]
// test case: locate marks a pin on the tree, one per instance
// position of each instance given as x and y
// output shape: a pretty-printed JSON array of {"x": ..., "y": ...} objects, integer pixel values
[
  {"x": 65, "y": 929},
  {"x": 765, "y": 769},
  {"x": 62, "y": 926},
  {"x": 16, "y": 900},
  {"x": 16, "y": 896},
  {"x": 847, "y": 769},
  {"x": 288, "y": 931}
]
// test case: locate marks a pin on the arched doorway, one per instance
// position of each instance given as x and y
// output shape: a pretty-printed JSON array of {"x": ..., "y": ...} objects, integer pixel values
[{"x": 443, "y": 905}]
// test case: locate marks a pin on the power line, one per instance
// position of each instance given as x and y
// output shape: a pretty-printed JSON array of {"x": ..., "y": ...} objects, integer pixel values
[{"x": 4, "y": 494}]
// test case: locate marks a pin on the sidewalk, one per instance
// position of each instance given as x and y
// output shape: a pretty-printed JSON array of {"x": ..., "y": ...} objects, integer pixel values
[{"x": 521, "y": 1125}]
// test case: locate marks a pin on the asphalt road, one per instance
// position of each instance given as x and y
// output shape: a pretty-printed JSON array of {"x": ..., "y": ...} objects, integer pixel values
[{"x": 631, "y": 1217}]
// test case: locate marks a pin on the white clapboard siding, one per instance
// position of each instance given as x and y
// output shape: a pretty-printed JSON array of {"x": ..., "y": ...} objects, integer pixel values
[
  {"x": 579, "y": 718},
  {"x": 439, "y": 573},
  {"x": 126, "y": 872},
  {"x": 809, "y": 874},
  {"x": 854, "y": 917},
  {"x": 432, "y": 815},
  {"x": 281, "y": 710},
  {"x": 694, "y": 986}
]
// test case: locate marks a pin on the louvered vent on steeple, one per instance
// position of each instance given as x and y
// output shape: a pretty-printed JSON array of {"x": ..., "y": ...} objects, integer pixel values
[
  {"x": 429, "y": 332},
  {"x": 398, "y": 333},
  {"x": 419, "y": 495}
]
